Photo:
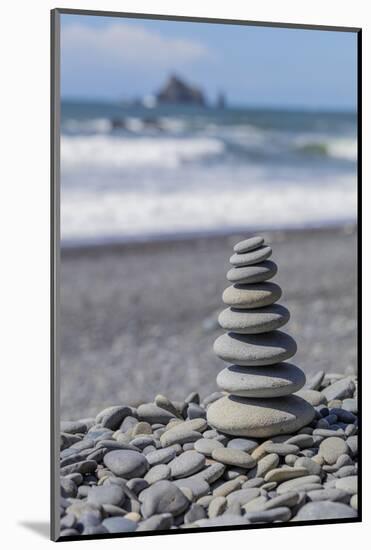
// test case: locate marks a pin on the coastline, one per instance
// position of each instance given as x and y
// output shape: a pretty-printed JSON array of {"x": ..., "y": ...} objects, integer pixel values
[{"x": 140, "y": 318}]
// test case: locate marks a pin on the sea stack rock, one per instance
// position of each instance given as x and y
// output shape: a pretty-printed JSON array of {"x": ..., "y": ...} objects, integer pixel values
[{"x": 260, "y": 382}]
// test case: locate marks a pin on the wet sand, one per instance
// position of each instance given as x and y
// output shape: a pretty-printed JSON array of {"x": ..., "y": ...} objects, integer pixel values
[{"x": 140, "y": 319}]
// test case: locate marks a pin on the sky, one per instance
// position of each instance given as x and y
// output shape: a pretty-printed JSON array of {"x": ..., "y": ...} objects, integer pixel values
[{"x": 107, "y": 58}]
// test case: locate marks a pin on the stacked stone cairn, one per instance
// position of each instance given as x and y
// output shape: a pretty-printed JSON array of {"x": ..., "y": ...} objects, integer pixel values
[{"x": 259, "y": 382}]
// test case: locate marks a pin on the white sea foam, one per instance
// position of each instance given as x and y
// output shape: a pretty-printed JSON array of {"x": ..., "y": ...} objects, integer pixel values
[
  {"x": 110, "y": 151},
  {"x": 87, "y": 215}
]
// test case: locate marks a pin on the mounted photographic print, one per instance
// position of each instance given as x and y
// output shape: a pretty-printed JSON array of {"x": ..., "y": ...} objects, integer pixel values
[{"x": 205, "y": 198}]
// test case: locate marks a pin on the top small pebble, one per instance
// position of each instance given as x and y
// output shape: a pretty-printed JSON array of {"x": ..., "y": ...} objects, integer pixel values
[{"x": 248, "y": 244}]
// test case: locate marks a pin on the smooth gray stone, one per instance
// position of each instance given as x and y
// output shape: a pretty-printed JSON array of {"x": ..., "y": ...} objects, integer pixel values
[
  {"x": 350, "y": 405},
  {"x": 151, "y": 413},
  {"x": 352, "y": 443},
  {"x": 161, "y": 456},
  {"x": 348, "y": 484},
  {"x": 331, "y": 494},
  {"x": 255, "y": 349},
  {"x": 281, "y": 449},
  {"x": 126, "y": 464},
  {"x": 119, "y": 525},
  {"x": 312, "y": 466},
  {"x": 128, "y": 423},
  {"x": 269, "y": 381},
  {"x": 242, "y": 496},
  {"x": 248, "y": 244},
  {"x": 66, "y": 441},
  {"x": 346, "y": 471},
  {"x": 68, "y": 488},
  {"x": 250, "y": 258},
  {"x": 113, "y": 444},
  {"x": 73, "y": 427},
  {"x": 324, "y": 510},
  {"x": 252, "y": 273},
  {"x": 157, "y": 473},
  {"x": 246, "y": 297},
  {"x": 195, "y": 513},
  {"x": 313, "y": 397},
  {"x": 107, "y": 494},
  {"x": 233, "y": 457},
  {"x": 207, "y": 446},
  {"x": 178, "y": 435},
  {"x": 267, "y": 463},
  {"x": 159, "y": 522},
  {"x": 83, "y": 467},
  {"x": 195, "y": 411},
  {"x": 68, "y": 521},
  {"x": 331, "y": 432},
  {"x": 287, "y": 499},
  {"x": 332, "y": 448},
  {"x": 244, "y": 416},
  {"x": 112, "y": 417},
  {"x": 303, "y": 441},
  {"x": 212, "y": 472},
  {"x": 253, "y": 321},
  {"x": 198, "y": 486},
  {"x": 314, "y": 383},
  {"x": 137, "y": 485},
  {"x": 281, "y": 513},
  {"x": 243, "y": 444},
  {"x": 186, "y": 464},
  {"x": 142, "y": 441},
  {"x": 163, "y": 496},
  {"x": 298, "y": 483},
  {"x": 339, "y": 390}
]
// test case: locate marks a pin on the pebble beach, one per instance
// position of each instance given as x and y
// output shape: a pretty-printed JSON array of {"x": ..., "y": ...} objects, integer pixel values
[{"x": 160, "y": 466}]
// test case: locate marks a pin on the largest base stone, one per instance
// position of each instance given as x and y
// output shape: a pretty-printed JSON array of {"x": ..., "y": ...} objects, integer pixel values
[{"x": 259, "y": 417}]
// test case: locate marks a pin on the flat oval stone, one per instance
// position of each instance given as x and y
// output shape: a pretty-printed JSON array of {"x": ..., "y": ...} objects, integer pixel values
[
  {"x": 206, "y": 446},
  {"x": 251, "y": 296},
  {"x": 243, "y": 444},
  {"x": 108, "y": 494},
  {"x": 283, "y": 474},
  {"x": 255, "y": 349},
  {"x": 119, "y": 525},
  {"x": 251, "y": 258},
  {"x": 332, "y": 448},
  {"x": 250, "y": 274},
  {"x": 163, "y": 496},
  {"x": 324, "y": 510},
  {"x": 233, "y": 457},
  {"x": 253, "y": 321},
  {"x": 270, "y": 381},
  {"x": 244, "y": 416},
  {"x": 186, "y": 464},
  {"x": 248, "y": 244},
  {"x": 151, "y": 413},
  {"x": 126, "y": 464},
  {"x": 161, "y": 456}
]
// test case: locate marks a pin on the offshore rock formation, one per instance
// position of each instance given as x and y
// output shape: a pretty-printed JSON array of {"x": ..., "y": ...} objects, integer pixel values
[{"x": 259, "y": 382}]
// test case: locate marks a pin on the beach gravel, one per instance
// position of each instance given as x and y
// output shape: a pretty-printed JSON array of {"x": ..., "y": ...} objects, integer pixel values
[{"x": 184, "y": 473}]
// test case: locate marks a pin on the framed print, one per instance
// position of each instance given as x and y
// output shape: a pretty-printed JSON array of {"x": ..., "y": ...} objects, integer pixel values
[{"x": 206, "y": 368}]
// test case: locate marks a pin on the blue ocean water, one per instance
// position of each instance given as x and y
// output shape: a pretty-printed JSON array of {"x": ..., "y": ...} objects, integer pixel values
[{"x": 130, "y": 172}]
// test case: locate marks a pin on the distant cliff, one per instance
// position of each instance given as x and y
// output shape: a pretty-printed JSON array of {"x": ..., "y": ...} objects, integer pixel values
[{"x": 176, "y": 91}]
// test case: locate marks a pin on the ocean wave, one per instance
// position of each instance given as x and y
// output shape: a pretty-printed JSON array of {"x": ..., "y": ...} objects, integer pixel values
[
  {"x": 338, "y": 148},
  {"x": 98, "y": 151},
  {"x": 118, "y": 214}
]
